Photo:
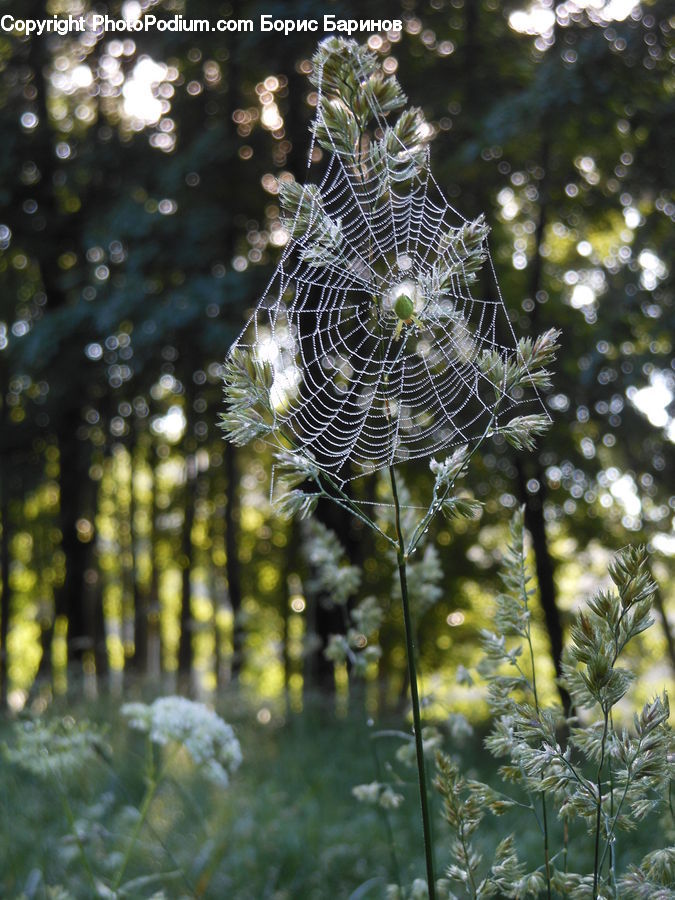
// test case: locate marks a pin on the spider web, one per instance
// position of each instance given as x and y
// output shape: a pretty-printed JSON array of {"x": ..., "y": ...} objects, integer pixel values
[{"x": 355, "y": 386}]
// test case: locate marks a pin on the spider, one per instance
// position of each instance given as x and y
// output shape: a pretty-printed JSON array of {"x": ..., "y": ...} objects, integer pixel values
[{"x": 405, "y": 310}]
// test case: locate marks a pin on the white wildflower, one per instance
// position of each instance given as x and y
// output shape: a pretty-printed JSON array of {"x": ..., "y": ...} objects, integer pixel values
[
  {"x": 419, "y": 889},
  {"x": 367, "y": 793},
  {"x": 459, "y": 726},
  {"x": 59, "y": 748},
  {"x": 390, "y": 799},
  {"x": 207, "y": 738},
  {"x": 431, "y": 741}
]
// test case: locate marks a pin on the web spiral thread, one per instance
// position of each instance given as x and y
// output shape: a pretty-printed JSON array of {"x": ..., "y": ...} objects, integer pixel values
[{"x": 361, "y": 381}]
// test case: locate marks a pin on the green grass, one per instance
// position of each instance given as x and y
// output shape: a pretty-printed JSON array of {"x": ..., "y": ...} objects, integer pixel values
[{"x": 288, "y": 827}]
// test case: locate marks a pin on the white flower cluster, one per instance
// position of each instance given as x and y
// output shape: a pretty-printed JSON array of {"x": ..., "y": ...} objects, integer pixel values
[
  {"x": 417, "y": 891},
  {"x": 376, "y": 793},
  {"x": 58, "y": 748},
  {"x": 208, "y": 739},
  {"x": 432, "y": 740}
]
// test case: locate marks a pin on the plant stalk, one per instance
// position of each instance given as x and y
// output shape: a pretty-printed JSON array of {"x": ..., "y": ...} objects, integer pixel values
[
  {"x": 143, "y": 813},
  {"x": 154, "y": 779},
  {"x": 78, "y": 840},
  {"x": 387, "y": 824},
  {"x": 414, "y": 694},
  {"x": 544, "y": 814},
  {"x": 596, "y": 867}
]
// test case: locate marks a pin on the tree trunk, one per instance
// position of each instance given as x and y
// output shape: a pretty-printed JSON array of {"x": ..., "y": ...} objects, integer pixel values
[
  {"x": 139, "y": 659},
  {"x": 661, "y": 607},
  {"x": 217, "y": 570},
  {"x": 154, "y": 635},
  {"x": 532, "y": 469},
  {"x": 73, "y": 480},
  {"x": 5, "y": 598},
  {"x": 185, "y": 654},
  {"x": 93, "y": 595},
  {"x": 536, "y": 525},
  {"x": 46, "y": 621},
  {"x": 232, "y": 567}
]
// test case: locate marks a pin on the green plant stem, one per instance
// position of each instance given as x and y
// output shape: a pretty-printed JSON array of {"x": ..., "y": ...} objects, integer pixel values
[
  {"x": 154, "y": 781},
  {"x": 599, "y": 809},
  {"x": 153, "y": 830},
  {"x": 437, "y": 502},
  {"x": 387, "y": 823},
  {"x": 143, "y": 812},
  {"x": 610, "y": 843},
  {"x": 73, "y": 827},
  {"x": 615, "y": 818},
  {"x": 544, "y": 815},
  {"x": 414, "y": 695},
  {"x": 346, "y": 502},
  {"x": 467, "y": 857}
]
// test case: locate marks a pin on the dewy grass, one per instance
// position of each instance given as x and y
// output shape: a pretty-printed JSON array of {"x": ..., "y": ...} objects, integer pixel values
[
  {"x": 605, "y": 778},
  {"x": 62, "y": 753},
  {"x": 288, "y": 822},
  {"x": 368, "y": 348}
]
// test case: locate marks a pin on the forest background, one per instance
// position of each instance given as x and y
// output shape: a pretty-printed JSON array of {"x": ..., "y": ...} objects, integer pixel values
[{"x": 139, "y": 223}]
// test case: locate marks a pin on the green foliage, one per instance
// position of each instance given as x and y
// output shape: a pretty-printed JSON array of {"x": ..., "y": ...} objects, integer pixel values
[
  {"x": 461, "y": 254},
  {"x": 521, "y": 431},
  {"x": 330, "y": 574},
  {"x": 447, "y": 471},
  {"x": 247, "y": 383},
  {"x": 332, "y": 580},
  {"x": 465, "y": 804},
  {"x": 357, "y": 99},
  {"x": 608, "y": 778},
  {"x": 461, "y": 508},
  {"x": 60, "y": 751},
  {"x": 527, "y": 368},
  {"x": 288, "y": 819},
  {"x": 351, "y": 77},
  {"x": 653, "y": 879},
  {"x": 425, "y": 577},
  {"x": 305, "y": 218}
]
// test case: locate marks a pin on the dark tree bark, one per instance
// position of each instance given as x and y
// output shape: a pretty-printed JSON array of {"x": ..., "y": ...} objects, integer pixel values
[
  {"x": 231, "y": 510},
  {"x": 5, "y": 597},
  {"x": 42, "y": 553},
  {"x": 154, "y": 633},
  {"x": 660, "y": 605},
  {"x": 185, "y": 649},
  {"x": 92, "y": 598},
  {"x": 139, "y": 659},
  {"x": 232, "y": 567},
  {"x": 545, "y": 569},
  {"x": 64, "y": 231},
  {"x": 217, "y": 577},
  {"x": 185, "y": 642},
  {"x": 73, "y": 479},
  {"x": 531, "y": 468}
]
